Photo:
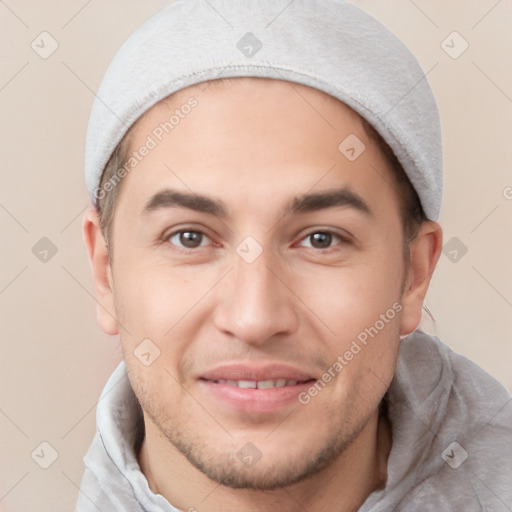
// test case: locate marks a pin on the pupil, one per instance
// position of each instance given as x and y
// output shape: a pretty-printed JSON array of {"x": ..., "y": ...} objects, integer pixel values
[
  {"x": 321, "y": 240},
  {"x": 191, "y": 238}
]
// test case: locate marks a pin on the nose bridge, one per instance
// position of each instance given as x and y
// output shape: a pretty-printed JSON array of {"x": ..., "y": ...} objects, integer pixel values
[
  {"x": 255, "y": 283},
  {"x": 256, "y": 305}
]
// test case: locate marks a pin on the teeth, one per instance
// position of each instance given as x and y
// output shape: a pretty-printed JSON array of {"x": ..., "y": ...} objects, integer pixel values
[
  {"x": 260, "y": 384},
  {"x": 247, "y": 384},
  {"x": 264, "y": 384}
]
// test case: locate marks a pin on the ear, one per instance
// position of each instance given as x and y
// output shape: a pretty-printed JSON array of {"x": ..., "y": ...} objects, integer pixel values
[
  {"x": 101, "y": 271},
  {"x": 424, "y": 252}
]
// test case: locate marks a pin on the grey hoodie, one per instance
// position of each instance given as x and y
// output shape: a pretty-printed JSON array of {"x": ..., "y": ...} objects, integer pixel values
[{"x": 451, "y": 427}]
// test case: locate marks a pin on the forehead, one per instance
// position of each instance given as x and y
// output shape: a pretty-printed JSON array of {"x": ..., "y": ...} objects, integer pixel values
[
  {"x": 252, "y": 134},
  {"x": 252, "y": 96}
]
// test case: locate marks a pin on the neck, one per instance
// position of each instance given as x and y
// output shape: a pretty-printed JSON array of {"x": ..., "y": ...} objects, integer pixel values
[{"x": 343, "y": 486}]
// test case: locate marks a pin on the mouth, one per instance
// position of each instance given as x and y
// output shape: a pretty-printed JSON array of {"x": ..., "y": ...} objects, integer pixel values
[
  {"x": 260, "y": 384},
  {"x": 255, "y": 389}
]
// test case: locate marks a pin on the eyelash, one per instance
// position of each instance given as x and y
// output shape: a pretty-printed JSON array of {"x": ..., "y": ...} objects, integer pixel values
[
  {"x": 167, "y": 238},
  {"x": 331, "y": 248},
  {"x": 341, "y": 239}
]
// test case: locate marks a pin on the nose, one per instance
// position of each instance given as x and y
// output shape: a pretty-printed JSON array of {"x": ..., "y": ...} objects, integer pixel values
[{"x": 255, "y": 304}]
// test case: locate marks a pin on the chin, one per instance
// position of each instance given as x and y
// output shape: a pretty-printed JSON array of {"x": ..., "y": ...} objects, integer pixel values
[{"x": 268, "y": 469}]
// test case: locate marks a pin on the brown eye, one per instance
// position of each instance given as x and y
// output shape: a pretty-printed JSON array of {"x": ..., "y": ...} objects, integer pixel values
[
  {"x": 321, "y": 240},
  {"x": 188, "y": 239}
]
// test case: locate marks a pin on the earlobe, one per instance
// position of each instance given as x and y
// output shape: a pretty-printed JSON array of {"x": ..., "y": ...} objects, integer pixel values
[
  {"x": 424, "y": 252},
  {"x": 101, "y": 271}
]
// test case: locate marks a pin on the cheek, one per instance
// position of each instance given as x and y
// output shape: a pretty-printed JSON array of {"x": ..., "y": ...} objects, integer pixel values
[
  {"x": 349, "y": 299},
  {"x": 360, "y": 306},
  {"x": 155, "y": 300},
  {"x": 156, "y": 304}
]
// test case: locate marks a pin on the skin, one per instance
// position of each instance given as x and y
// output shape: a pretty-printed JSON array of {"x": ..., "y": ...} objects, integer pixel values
[{"x": 256, "y": 145}]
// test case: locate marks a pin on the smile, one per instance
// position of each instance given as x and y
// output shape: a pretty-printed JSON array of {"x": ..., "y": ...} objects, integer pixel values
[
  {"x": 258, "y": 384},
  {"x": 254, "y": 389}
]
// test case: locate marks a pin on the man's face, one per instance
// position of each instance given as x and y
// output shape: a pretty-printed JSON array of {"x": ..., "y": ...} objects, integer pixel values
[{"x": 261, "y": 284}]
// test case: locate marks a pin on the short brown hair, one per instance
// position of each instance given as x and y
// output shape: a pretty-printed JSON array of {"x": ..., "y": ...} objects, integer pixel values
[
  {"x": 411, "y": 211},
  {"x": 107, "y": 201}
]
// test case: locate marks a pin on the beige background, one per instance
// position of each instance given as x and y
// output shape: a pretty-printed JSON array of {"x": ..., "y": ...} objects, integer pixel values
[{"x": 54, "y": 359}]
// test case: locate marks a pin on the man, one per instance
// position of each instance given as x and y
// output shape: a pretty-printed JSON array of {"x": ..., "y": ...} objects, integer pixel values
[{"x": 262, "y": 237}]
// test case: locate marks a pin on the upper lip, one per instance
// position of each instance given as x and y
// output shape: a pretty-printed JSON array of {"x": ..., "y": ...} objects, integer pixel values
[{"x": 260, "y": 372}]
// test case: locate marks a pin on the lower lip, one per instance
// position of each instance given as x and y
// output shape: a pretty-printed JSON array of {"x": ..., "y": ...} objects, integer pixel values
[{"x": 256, "y": 400}]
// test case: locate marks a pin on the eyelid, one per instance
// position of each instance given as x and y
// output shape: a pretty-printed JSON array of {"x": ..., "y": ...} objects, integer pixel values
[
  {"x": 179, "y": 233},
  {"x": 309, "y": 235},
  {"x": 345, "y": 238},
  {"x": 166, "y": 237}
]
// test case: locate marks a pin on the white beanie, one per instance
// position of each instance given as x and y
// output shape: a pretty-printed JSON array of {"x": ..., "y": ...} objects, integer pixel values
[{"x": 329, "y": 45}]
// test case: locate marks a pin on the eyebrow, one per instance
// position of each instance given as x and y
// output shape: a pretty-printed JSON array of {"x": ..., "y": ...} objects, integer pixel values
[
  {"x": 329, "y": 199},
  {"x": 172, "y": 198},
  {"x": 302, "y": 204}
]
